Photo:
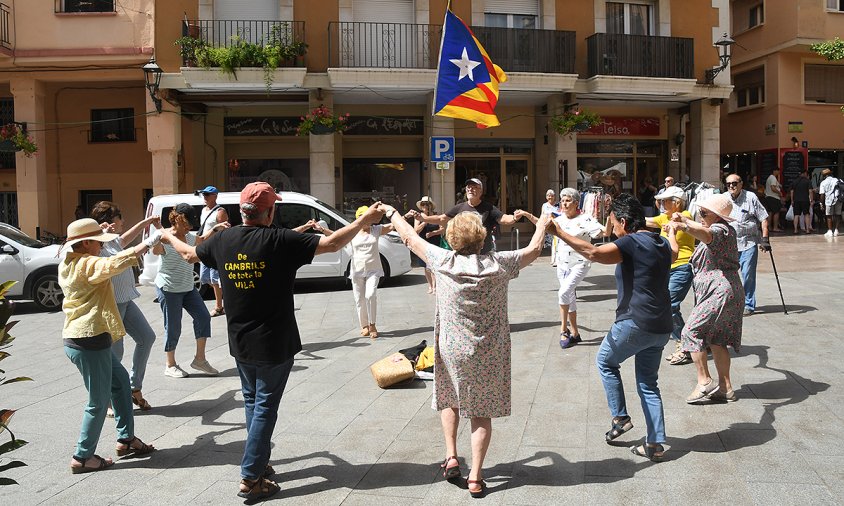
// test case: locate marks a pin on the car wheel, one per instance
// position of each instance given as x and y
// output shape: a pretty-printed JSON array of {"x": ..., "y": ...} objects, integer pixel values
[
  {"x": 46, "y": 293},
  {"x": 385, "y": 266}
]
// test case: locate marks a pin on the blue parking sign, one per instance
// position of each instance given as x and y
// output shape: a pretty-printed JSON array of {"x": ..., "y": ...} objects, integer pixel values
[{"x": 442, "y": 149}]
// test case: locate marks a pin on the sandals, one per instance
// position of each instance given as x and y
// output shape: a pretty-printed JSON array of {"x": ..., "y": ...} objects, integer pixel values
[
  {"x": 476, "y": 494},
  {"x": 620, "y": 425},
  {"x": 680, "y": 358},
  {"x": 138, "y": 400},
  {"x": 364, "y": 332},
  {"x": 373, "y": 332},
  {"x": 218, "y": 311},
  {"x": 450, "y": 472},
  {"x": 133, "y": 446},
  {"x": 101, "y": 464},
  {"x": 258, "y": 489},
  {"x": 654, "y": 453},
  {"x": 702, "y": 393}
]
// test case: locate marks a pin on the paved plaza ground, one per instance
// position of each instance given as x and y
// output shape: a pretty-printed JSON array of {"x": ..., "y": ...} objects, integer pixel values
[{"x": 342, "y": 440}]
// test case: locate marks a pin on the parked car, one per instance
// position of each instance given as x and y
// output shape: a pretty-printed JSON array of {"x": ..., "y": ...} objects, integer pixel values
[
  {"x": 293, "y": 210},
  {"x": 34, "y": 265}
]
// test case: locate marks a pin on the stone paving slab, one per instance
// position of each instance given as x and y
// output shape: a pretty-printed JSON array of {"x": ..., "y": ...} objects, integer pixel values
[{"x": 342, "y": 440}]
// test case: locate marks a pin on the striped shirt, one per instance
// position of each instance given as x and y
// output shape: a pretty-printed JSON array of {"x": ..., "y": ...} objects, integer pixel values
[
  {"x": 123, "y": 283},
  {"x": 175, "y": 274}
]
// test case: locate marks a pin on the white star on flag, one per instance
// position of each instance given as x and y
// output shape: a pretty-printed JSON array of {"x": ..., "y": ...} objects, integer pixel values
[{"x": 465, "y": 65}]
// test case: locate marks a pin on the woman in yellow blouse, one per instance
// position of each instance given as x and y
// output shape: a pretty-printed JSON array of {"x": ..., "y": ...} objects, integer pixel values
[
  {"x": 92, "y": 323},
  {"x": 673, "y": 200}
]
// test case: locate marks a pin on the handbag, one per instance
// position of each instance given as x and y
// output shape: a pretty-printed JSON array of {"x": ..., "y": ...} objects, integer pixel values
[
  {"x": 391, "y": 370},
  {"x": 789, "y": 216}
]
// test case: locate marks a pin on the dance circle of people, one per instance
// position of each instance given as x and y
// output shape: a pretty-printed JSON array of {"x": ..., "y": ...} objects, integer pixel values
[{"x": 656, "y": 258}]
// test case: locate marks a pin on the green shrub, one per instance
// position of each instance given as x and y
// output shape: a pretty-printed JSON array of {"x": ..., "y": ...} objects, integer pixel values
[{"x": 6, "y": 310}]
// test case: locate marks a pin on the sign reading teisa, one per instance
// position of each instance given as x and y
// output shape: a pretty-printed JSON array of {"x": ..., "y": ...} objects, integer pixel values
[{"x": 442, "y": 149}]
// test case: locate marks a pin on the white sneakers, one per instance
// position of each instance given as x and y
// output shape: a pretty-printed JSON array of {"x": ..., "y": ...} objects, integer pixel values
[
  {"x": 201, "y": 366},
  {"x": 175, "y": 372},
  {"x": 204, "y": 366},
  {"x": 835, "y": 232}
]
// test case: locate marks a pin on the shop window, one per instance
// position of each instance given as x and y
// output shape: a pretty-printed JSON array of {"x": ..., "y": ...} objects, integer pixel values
[
  {"x": 282, "y": 174},
  {"x": 84, "y": 5},
  {"x": 393, "y": 181},
  {"x": 630, "y": 18},
  {"x": 749, "y": 88},
  {"x": 822, "y": 83},
  {"x": 756, "y": 15},
  {"x": 112, "y": 125},
  {"x": 835, "y": 5}
]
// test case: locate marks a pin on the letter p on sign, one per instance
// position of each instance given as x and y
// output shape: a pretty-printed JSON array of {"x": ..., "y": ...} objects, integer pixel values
[{"x": 442, "y": 149}]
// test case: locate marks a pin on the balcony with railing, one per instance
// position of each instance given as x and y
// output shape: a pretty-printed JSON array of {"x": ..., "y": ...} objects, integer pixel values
[
  {"x": 611, "y": 54},
  {"x": 228, "y": 33},
  {"x": 416, "y": 46}
]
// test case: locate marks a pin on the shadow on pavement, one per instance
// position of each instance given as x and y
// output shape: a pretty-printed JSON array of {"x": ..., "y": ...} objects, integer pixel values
[
  {"x": 522, "y": 327},
  {"x": 310, "y": 350},
  {"x": 600, "y": 282},
  {"x": 792, "y": 308},
  {"x": 791, "y": 389}
]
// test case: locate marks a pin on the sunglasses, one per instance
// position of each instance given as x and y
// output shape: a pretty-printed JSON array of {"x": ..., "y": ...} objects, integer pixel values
[{"x": 733, "y": 183}]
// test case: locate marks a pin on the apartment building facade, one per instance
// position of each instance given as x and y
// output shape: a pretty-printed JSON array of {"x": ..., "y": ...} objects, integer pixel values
[
  {"x": 642, "y": 65},
  {"x": 785, "y": 110}
]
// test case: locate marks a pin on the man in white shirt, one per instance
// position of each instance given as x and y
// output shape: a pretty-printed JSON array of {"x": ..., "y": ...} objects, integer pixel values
[
  {"x": 832, "y": 201},
  {"x": 773, "y": 200}
]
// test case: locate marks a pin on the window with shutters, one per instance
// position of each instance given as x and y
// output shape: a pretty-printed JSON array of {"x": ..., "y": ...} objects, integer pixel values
[
  {"x": 85, "y": 6},
  {"x": 835, "y": 5},
  {"x": 511, "y": 14},
  {"x": 823, "y": 84},
  {"x": 631, "y": 18},
  {"x": 7, "y": 115},
  {"x": 749, "y": 88}
]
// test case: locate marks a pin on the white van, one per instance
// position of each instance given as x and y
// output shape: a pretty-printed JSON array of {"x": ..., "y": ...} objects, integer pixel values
[{"x": 293, "y": 210}]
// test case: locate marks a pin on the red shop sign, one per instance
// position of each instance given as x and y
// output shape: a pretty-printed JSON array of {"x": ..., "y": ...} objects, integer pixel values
[{"x": 628, "y": 127}]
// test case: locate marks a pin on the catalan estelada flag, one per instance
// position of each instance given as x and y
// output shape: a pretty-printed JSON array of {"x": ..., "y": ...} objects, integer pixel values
[{"x": 467, "y": 80}]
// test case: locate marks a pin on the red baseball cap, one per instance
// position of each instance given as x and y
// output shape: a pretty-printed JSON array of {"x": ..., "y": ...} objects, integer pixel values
[{"x": 259, "y": 194}]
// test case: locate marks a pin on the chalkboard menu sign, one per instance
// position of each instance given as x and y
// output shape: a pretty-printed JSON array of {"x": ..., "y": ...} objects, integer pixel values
[
  {"x": 793, "y": 163},
  {"x": 385, "y": 125},
  {"x": 260, "y": 126},
  {"x": 768, "y": 163}
]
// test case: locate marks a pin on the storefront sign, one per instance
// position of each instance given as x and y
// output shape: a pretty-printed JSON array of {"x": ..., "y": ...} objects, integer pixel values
[
  {"x": 795, "y": 126},
  {"x": 675, "y": 155},
  {"x": 793, "y": 163},
  {"x": 627, "y": 127},
  {"x": 770, "y": 129},
  {"x": 385, "y": 125},
  {"x": 260, "y": 126}
]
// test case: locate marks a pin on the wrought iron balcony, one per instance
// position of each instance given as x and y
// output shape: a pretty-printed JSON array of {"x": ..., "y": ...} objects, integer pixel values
[
  {"x": 5, "y": 31},
  {"x": 383, "y": 45},
  {"x": 399, "y": 45},
  {"x": 612, "y": 54},
  {"x": 527, "y": 50},
  {"x": 224, "y": 33}
]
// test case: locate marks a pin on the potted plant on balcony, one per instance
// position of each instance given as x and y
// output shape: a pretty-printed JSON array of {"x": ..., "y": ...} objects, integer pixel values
[
  {"x": 188, "y": 48},
  {"x": 321, "y": 121},
  {"x": 573, "y": 121},
  {"x": 14, "y": 138}
]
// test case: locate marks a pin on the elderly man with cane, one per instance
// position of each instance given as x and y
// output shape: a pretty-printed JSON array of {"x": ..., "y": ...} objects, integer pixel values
[{"x": 749, "y": 216}]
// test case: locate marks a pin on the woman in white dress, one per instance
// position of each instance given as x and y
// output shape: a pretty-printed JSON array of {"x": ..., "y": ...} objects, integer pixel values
[{"x": 571, "y": 266}]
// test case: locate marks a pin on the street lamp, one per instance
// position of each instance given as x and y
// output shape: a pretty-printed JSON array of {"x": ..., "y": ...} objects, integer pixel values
[
  {"x": 724, "y": 56},
  {"x": 152, "y": 76}
]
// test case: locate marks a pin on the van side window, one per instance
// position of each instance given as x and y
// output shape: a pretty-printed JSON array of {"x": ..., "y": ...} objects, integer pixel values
[
  {"x": 165, "y": 217},
  {"x": 333, "y": 224},
  {"x": 293, "y": 215}
]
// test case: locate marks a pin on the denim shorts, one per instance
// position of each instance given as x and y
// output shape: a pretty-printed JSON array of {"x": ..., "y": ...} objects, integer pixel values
[{"x": 208, "y": 276}]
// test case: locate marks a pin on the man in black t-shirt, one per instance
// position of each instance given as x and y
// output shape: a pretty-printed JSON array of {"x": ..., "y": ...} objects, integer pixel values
[
  {"x": 490, "y": 215},
  {"x": 258, "y": 264}
]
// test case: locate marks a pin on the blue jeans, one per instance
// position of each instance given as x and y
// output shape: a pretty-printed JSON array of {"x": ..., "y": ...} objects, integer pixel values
[
  {"x": 262, "y": 386},
  {"x": 747, "y": 263},
  {"x": 679, "y": 282},
  {"x": 137, "y": 327},
  {"x": 172, "y": 304},
  {"x": 105, "y": 380},
  {"x": 624, "y": 340}
]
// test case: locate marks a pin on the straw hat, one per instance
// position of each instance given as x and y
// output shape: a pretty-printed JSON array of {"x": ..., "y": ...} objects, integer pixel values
[
  {"x": 720, "y": 204},
  {"x": 426, "y": 200},
  {"x": 85, "y": 229}
]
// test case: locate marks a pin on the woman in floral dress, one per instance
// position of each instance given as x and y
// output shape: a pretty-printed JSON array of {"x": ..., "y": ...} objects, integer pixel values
[
  {"x": 716, "y": 319},
  {"x": 472, "y": 349}
]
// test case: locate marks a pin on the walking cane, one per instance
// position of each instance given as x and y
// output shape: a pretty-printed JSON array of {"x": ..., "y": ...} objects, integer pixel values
[{"x": 776, "y": 276}]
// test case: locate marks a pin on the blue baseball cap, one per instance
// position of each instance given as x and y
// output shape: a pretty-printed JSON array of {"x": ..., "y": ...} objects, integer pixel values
[{"x": 208, "y": 189}]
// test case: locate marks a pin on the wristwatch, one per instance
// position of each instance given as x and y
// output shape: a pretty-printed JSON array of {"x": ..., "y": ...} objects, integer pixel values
[{"x": 390, "y": 214}]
